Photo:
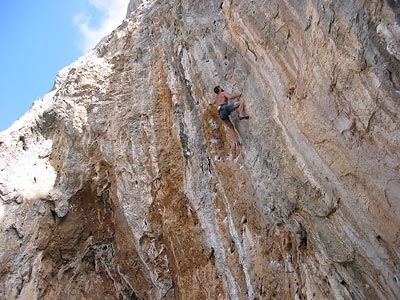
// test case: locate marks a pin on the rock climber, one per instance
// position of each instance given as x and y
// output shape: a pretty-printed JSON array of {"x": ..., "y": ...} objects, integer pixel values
[{"x": 224, "y": 109}]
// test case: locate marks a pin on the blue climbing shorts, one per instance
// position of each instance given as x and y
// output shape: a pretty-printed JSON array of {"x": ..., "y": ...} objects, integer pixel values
[{"x": 224, "y": 110}]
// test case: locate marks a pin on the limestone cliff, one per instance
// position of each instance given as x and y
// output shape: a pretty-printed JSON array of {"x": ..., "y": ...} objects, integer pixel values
[{"x": 123, "y": 183}]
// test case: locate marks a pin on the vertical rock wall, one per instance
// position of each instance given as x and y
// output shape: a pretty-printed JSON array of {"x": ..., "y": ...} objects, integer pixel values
[{"x": 123, "y": 183}]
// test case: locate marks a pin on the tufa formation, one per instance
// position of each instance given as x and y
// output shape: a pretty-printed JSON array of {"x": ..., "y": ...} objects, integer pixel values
[{"x": 123, "y": 183}]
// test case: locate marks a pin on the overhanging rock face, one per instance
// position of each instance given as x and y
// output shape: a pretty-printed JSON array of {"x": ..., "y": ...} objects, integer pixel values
[{"x": 123, "y": 183}]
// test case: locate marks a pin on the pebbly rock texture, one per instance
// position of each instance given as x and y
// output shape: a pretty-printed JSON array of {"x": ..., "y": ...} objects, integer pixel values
[{"x": 123, "y": 183}]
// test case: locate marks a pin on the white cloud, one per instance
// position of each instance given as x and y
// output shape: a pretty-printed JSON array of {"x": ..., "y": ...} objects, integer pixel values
[{"x": 111, "y": 12}]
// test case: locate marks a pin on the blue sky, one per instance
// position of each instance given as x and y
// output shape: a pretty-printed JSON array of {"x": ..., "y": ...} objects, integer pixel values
[{"x": 40, "y": 37}]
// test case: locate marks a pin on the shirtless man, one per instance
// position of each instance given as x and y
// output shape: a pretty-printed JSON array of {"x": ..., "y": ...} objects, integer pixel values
[{"x": 224, "y": 109}]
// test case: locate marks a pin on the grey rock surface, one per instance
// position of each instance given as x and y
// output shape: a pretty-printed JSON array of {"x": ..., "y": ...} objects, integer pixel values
[{"x": 123, "y": 183}]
